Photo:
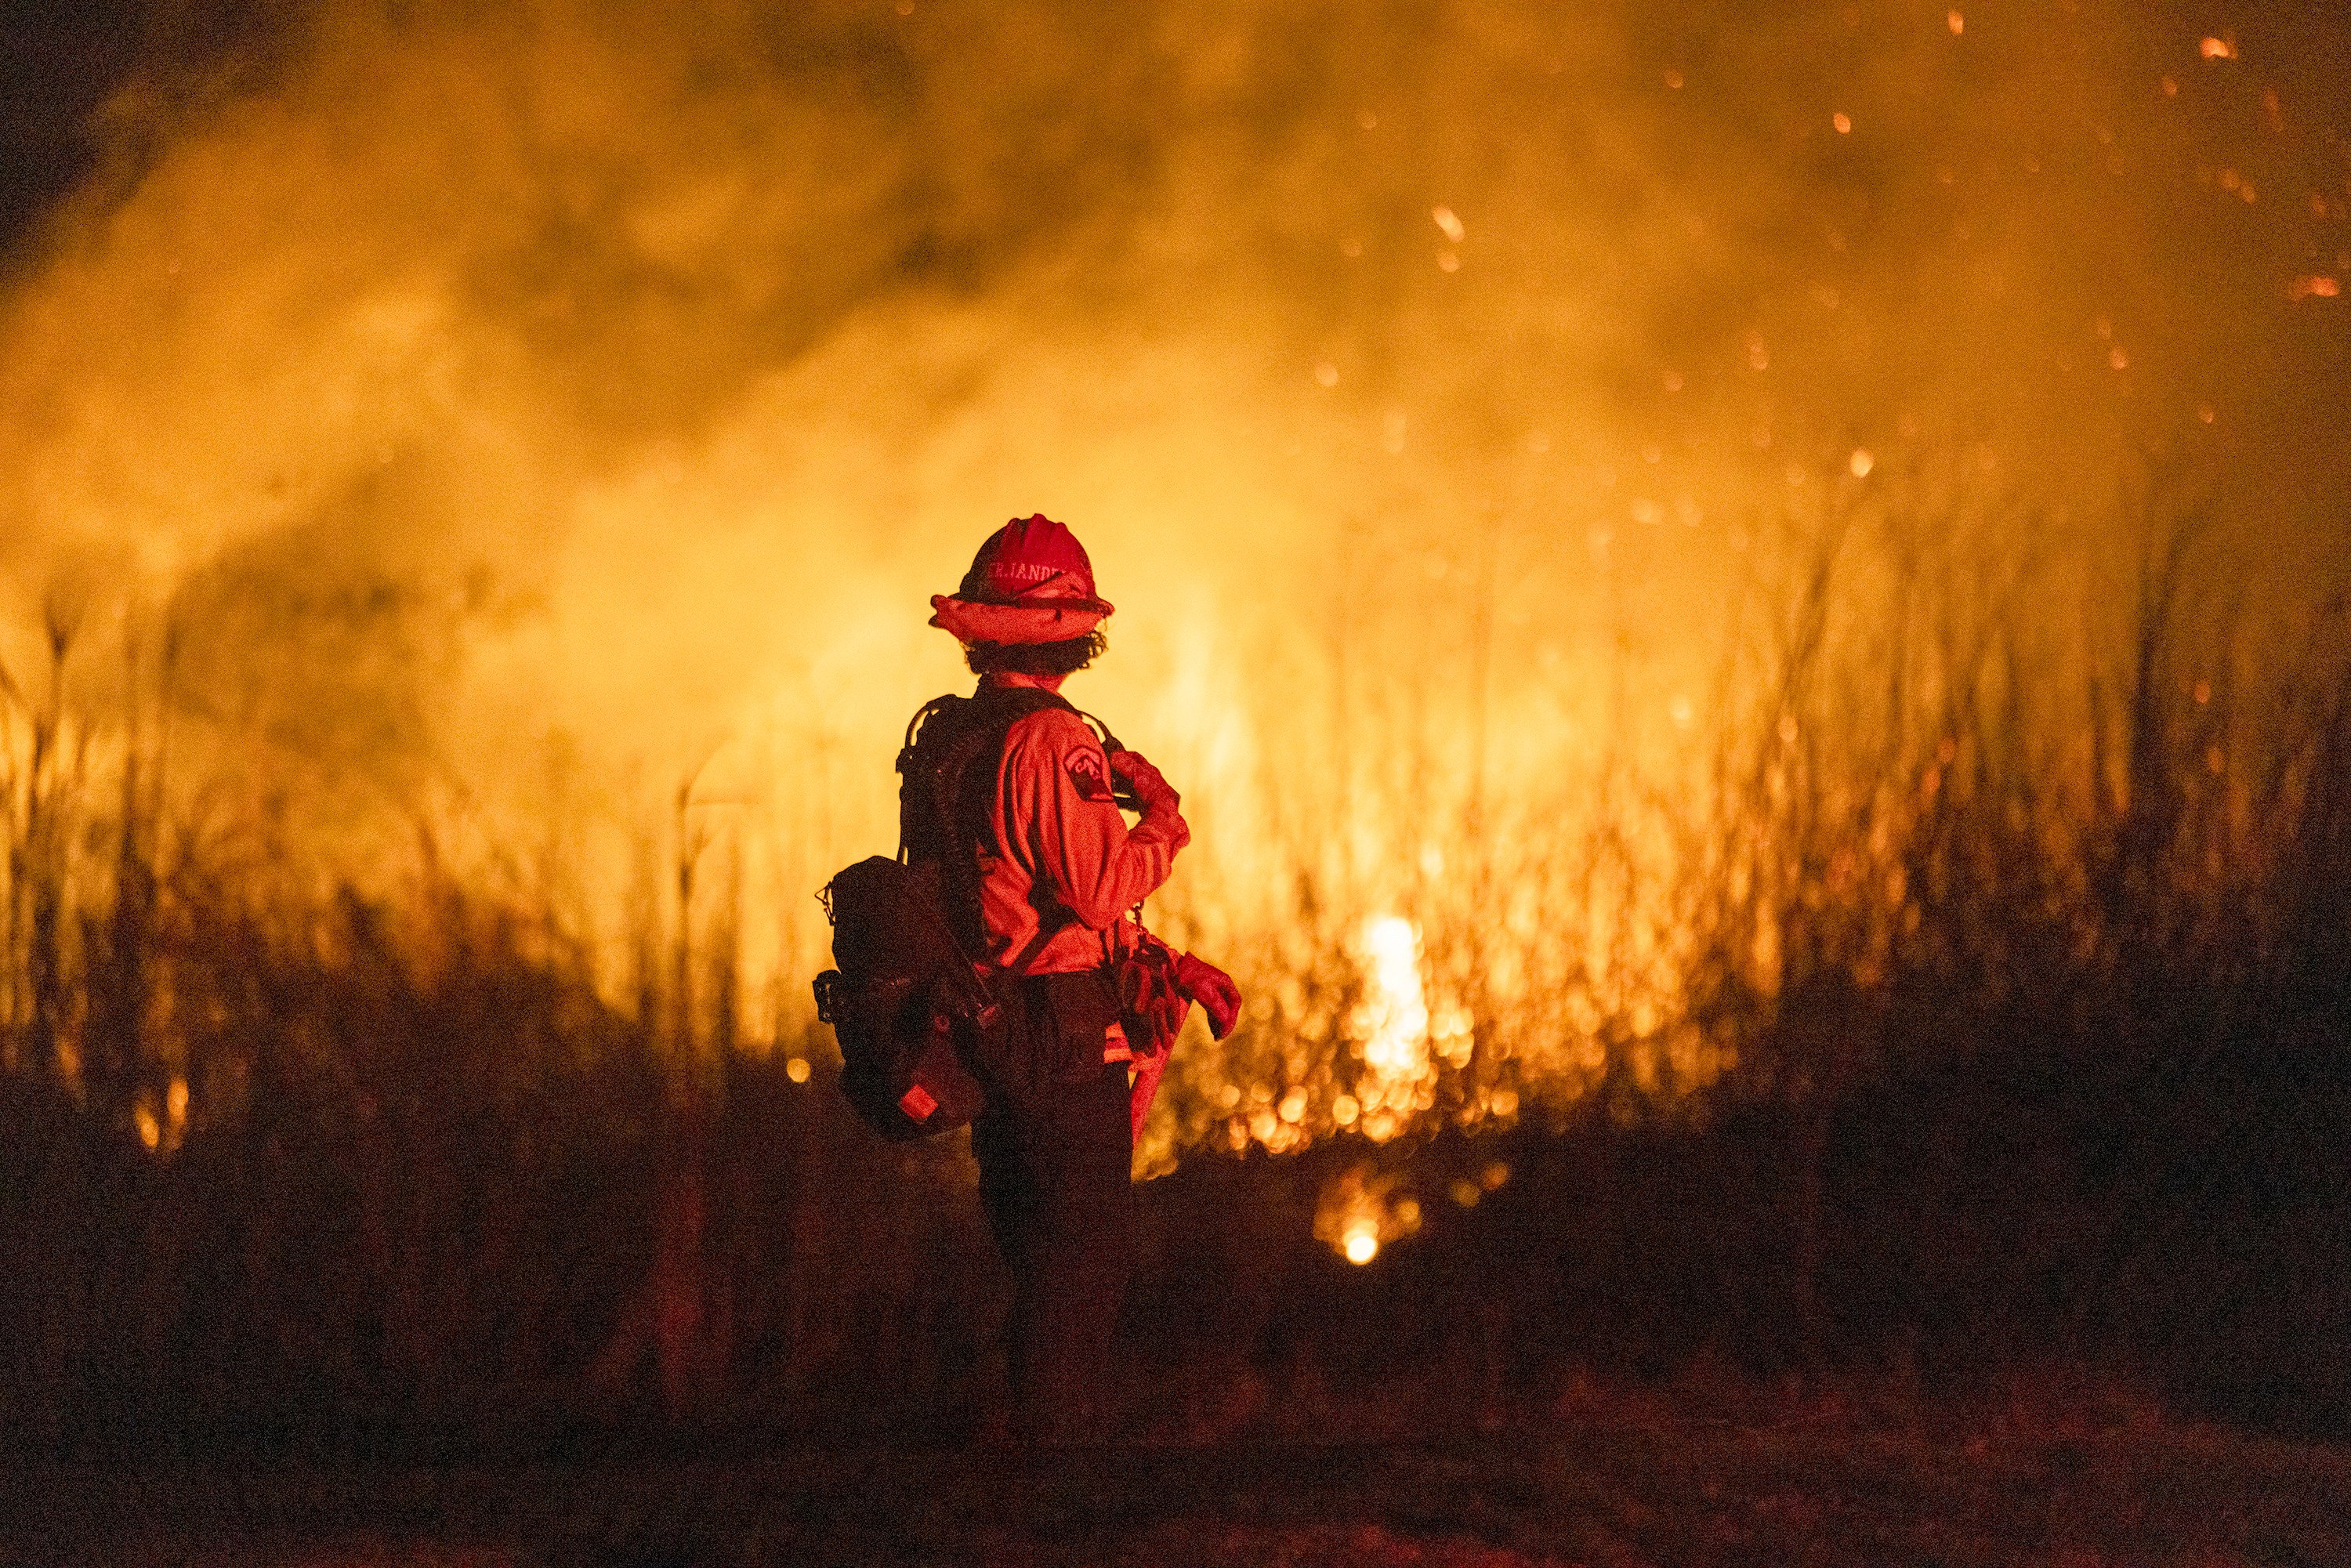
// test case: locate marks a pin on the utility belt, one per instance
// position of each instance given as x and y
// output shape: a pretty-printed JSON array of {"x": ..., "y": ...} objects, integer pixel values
[{"x": 1050, "y": 1031}]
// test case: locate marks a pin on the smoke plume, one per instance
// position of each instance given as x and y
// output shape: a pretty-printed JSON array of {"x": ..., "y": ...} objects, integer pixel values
[{"x": 551, "y": 419}]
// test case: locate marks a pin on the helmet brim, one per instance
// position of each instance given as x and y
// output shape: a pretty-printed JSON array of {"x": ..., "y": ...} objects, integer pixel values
[{"x": 975, "y": 620}]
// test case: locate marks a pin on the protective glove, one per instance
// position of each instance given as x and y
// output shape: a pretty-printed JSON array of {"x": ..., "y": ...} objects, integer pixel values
[
  {"x": 1143, "y": 781},
  {"x": 1213, "y": 989}
]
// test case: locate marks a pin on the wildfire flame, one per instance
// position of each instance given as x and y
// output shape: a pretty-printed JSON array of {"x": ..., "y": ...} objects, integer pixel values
[
  {"x": 538, "y": 432},
  {"x": 1391, "y": 1024}
]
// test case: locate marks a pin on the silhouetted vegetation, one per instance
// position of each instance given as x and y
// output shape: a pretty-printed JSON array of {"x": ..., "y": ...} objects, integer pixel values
[{"x": 2032, "y": 1047}]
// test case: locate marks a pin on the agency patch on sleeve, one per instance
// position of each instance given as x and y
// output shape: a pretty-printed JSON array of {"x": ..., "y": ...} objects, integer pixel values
[{"x": 1091, "y": 773}]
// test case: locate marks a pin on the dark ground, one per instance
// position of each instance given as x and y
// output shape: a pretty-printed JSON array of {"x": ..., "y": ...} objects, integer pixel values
[{"x": 1628, "y": 1486}]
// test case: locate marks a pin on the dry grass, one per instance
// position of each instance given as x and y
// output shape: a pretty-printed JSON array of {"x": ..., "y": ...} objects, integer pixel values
[{"x": 2039, "y": 1059}]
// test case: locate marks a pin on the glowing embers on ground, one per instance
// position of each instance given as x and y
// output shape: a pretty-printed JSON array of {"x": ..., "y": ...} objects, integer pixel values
[
  {"x": 161, "y": 1132},
  {"x": 1360, "y": 1212}
]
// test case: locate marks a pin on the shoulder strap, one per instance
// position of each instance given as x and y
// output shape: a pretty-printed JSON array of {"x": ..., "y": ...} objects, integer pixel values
[
  {"x": 945, "y": 804},
  {"x": 939, "y": 724},
  {"x": 1101, "y": 730}
]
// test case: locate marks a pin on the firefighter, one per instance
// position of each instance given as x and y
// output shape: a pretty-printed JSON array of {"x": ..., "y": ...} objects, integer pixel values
[{"x": 1056, "y": 869}]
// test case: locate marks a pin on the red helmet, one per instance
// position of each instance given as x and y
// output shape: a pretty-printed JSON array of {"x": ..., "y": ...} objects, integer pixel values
[{"x": 1030, "y": 582}]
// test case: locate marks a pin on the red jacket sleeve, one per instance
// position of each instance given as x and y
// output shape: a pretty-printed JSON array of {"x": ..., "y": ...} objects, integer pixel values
[{"x": 1062, "y": 824}]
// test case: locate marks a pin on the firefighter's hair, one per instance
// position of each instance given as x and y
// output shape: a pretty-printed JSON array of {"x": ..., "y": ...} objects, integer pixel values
[{"x": 1064, "y": 657}]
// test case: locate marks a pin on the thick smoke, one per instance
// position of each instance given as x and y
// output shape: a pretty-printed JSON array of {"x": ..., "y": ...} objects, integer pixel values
[{"x": 518, "y": 414}]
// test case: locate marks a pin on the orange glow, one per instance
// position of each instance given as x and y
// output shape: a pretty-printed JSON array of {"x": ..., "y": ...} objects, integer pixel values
[
  {"x": 541, "y": 441},
  {"x": 1393, "y": 1016},
  {"x": 1359, "y": 1213}
]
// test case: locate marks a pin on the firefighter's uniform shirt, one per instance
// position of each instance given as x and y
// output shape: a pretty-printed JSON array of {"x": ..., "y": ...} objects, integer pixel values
[{"x": 1062, "y": 855}]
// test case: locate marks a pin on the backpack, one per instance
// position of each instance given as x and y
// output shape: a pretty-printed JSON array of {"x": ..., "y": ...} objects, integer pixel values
[{"x": 909, "y": 998}]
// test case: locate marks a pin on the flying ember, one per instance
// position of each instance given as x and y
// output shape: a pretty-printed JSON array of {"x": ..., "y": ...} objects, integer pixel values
[{"x": 518, "y": 440}]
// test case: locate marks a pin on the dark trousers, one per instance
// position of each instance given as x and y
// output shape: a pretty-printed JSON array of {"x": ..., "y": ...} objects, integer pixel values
[{"x": 1054, "y": 1165}]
